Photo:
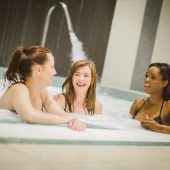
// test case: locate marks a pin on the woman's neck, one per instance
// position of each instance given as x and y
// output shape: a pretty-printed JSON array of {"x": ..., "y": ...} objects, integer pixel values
[
  {"x": 155, "y": 99},
  {"x": 80, "y": 98},
  {"x": 79, "y": 105},
  {"x": 33, "y": 87}
]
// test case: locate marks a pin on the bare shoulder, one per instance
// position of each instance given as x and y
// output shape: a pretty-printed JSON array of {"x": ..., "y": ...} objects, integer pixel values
[
  {"x": 138, "y": 102},
  {"x": 167, "y": 105},
  {"x": 17, "y": 96},
  {"x": 44, "y": 93},
  {"x": 18, "y": 85},
  {"x": 168, "y": 102},
  {"x": 135, "y": 105},
  {"x": 98, "y": 103},
  {"x": 19, "y": 88},
  {"x": 98, "y": 107},
  {"x": 60, "y": 99}
]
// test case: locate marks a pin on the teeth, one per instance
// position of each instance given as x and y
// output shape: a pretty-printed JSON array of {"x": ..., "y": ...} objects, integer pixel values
[{"x": 80, "y": 84}]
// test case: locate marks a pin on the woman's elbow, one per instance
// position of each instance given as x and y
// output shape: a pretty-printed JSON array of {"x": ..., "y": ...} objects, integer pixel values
[{"x": 28, "y": 118}]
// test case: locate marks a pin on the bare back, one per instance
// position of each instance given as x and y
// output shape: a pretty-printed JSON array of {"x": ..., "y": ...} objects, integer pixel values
[{"x": 19, "y": 92}]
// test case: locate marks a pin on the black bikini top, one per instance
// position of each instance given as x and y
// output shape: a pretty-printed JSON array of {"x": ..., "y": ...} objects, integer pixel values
[{"x": 158, "y": 118}]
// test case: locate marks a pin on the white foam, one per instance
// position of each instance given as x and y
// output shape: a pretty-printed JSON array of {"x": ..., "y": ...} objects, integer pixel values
[
  {"x": 115, "y": 117},
  {"x": 77, "y": 48},
  {"x": 115, "y": 113}
]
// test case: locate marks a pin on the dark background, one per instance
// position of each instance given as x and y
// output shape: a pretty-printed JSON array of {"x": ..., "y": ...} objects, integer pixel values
[{"x": 22, "y": 22}]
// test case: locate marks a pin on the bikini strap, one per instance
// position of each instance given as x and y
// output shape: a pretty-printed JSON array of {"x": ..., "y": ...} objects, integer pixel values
[
  {"x": 57, "y": 97},
  {"x": 161, "y": 107},
  {"x": 65, "y": 107}
]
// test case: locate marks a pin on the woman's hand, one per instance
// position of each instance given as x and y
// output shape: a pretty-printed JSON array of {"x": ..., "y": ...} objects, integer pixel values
[
  {"x": 154, "y": 126},
  {"x": 150, "y": 124},
  {"x": 77, "y": 125}
]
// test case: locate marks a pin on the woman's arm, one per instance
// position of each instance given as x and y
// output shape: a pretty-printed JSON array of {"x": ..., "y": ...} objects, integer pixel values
[
  {"x": 154, "y": 126},
  {"x": 53, "y": 107},
  {"x": 133, "y": 108},
  {"x": 151, "y": 124},
  {"x": 135, "y": 105},
  {"x": 22, "y": 105}
]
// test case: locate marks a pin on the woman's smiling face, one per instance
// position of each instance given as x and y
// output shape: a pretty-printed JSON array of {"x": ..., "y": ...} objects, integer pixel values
[
  {"x": 82, "y": 78},
  {"x": 153, "y": 82}
]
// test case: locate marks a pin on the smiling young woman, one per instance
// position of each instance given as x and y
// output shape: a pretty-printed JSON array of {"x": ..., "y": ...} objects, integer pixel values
[
  {"x": 154, "y": 112},
  {"x": 79, "y": 89},
  {"x": 30, "y": 71}
]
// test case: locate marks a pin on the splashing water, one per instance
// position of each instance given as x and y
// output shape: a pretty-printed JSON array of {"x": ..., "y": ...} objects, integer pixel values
[
  {"x": 77, "y": 48},
  {"x": 77, "y": 52},
  {"x": 115, "y": 113}
]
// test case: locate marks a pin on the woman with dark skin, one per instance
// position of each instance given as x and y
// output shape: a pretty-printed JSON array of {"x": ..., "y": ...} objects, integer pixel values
[
  {"x": 154, "y": 112},
  {"x": 30, "y": 71}
]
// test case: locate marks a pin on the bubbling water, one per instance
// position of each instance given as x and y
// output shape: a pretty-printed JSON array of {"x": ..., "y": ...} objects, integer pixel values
[{"x": 115, "y": 114}]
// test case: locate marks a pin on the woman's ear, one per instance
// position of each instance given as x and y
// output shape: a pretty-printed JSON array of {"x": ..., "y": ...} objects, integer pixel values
[
  {"x": 37, "y": 69},
  {"x": 165, "y": 83}
]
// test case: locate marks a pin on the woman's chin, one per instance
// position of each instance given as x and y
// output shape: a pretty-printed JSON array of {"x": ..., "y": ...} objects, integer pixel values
[
  {"x": 146, "y": 90},
  {"x": 49, "y": 84}
]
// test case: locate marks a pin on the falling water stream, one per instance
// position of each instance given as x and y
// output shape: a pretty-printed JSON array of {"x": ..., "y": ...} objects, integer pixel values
[{"x": 77, "y": 52}]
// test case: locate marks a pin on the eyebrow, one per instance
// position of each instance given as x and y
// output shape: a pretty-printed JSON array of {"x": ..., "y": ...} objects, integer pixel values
[
  {"x": 156, "y": 75},
  {"x": 79, "y": 72}
]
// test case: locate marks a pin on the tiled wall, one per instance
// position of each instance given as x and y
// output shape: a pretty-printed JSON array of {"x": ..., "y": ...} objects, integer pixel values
[{"x": 140, "y": 35}]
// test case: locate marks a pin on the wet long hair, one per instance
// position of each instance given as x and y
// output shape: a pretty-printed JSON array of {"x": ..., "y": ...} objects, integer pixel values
[
  {"x": 68, "y": 88},
  {"x": 20, "y": 66},
  {"x": 165, "y": 73}
]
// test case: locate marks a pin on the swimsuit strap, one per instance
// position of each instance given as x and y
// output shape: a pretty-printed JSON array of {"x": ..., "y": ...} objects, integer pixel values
[
  {"x": 161, "y": 107},
  {"x": 57, "y": 97},
  {"x": 65, "y": 107},
  {"x": 158, "y": 118}
]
